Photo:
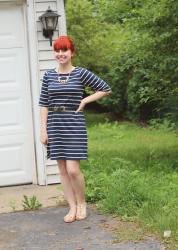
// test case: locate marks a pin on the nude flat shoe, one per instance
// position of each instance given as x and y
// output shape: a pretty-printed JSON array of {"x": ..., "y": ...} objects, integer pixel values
[
  {"x": 69, "y": 218},
  {"x": 81, "y": 211}
]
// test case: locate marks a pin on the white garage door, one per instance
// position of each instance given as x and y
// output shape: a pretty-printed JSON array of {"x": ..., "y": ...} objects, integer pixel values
[{"x": 17, "y": 159}]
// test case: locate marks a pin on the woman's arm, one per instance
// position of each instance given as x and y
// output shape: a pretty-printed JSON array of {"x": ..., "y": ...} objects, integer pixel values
[
  {"x": 91, "y": 98},
  {"x": 43, "y": 125}
]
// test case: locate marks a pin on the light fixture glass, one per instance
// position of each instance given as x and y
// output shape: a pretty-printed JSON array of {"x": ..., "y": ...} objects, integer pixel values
[{"x": 49, "y": 21}]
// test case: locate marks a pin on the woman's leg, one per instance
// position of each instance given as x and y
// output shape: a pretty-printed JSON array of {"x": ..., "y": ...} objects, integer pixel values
[
  {"x": 68, "y": 191},
  {"x": 78, "y": 184}
]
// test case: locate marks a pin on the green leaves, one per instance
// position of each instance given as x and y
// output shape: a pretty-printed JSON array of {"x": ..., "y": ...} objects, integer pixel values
[
  {"x": 132, "y": 171},
  {"x": 31, "y": 203},
  {"x": 133, "y": 46}
]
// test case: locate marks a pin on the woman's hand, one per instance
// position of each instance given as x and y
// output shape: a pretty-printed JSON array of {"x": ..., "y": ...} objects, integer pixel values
[
  {"x": 91, "y": 98},
  {"x": 43, "y": 125},
  {"x": 81, "y": 106},
  {"x": 44, "y": 137}
]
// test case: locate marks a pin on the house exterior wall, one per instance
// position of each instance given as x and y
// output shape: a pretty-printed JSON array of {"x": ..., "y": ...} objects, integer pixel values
[{"x": 46, "y": 61}]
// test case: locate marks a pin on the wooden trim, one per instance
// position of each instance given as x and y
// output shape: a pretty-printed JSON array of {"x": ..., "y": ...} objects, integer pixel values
[
  {"x": 62, "y": 19},
  {"x": 24, "y": 7},
  {"x": 35, "y": 83}
]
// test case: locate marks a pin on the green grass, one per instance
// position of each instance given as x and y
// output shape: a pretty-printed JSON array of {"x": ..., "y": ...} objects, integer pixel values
[{"x": 132, "y": 171}]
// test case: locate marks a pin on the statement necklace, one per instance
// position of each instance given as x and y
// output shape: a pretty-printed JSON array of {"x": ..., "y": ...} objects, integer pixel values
[{"x": 64, "y": 78}]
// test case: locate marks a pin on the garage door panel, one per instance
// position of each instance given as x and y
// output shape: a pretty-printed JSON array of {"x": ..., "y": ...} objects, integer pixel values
[
  {"x": 13, "y": 73},
  {"x": 11, "y": 33},
  {"x": 7, "y": 62},
  {"x": 14, "y": 121},
  {"x": 14, "y": 92},
  {"x": 13, "y": 153},
  {"x": 15, "y": 158}
]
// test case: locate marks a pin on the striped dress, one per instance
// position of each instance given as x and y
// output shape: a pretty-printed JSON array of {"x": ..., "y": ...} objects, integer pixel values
[{"x": 67, "y": 135}]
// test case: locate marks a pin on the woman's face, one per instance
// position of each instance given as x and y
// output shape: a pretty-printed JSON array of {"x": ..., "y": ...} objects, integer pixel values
[{"x": 63, "y": 56}]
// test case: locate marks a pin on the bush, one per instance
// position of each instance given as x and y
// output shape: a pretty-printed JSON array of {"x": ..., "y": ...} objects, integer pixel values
[
  {"x": 132, "y": 171},
  {"x": 134, "y": 48}
]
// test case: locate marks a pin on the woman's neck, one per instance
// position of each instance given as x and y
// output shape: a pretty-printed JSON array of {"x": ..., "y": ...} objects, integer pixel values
[{"x": 65, "y": 68}]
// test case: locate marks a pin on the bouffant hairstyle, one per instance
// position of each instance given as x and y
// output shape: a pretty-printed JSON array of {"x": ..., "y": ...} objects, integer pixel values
[{"x": 64, "y": 43}]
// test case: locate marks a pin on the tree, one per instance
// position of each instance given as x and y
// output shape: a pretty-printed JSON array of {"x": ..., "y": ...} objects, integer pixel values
[{"x": 133, "y": 46}]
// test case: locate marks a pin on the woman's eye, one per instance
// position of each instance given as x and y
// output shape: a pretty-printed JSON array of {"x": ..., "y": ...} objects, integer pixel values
[{"x": 62, "y": 50}]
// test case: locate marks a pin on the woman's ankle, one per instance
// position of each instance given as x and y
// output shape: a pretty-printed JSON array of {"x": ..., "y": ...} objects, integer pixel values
[
  {"x": 81, "y": 203},
  {"x": 73, "y": 207},
  {"x": 81, "y": 211}
]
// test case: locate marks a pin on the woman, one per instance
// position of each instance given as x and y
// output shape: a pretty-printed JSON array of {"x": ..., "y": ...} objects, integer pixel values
[{"x": 63, "y": 127}]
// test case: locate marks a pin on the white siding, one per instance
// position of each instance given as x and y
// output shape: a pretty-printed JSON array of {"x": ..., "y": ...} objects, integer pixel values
[
  {"x": 52, "y": 172},
  {"x": 46, "y": 60}
]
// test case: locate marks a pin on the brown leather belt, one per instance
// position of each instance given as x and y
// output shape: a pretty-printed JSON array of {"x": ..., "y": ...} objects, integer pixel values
[{"x": 61, "y": 109}]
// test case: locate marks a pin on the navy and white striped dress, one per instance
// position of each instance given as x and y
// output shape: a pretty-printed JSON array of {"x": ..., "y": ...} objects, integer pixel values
[{"x": 67, "y": 135}]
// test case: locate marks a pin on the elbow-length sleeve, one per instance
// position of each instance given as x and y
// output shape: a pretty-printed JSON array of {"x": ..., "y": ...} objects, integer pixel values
[
  {"x": 43, "y": 100},
  {"x": 91, "y": 80}
]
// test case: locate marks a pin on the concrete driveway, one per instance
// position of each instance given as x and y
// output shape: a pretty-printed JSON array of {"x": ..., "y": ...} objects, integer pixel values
[{"x": 45, "y": 230}]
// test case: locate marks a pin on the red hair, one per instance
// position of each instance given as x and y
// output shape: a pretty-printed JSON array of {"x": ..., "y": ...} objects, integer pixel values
[{"x": 64, "y": 42}]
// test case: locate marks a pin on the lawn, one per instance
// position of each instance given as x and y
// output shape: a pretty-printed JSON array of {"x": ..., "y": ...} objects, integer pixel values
[{"x": 132, "y": 171}]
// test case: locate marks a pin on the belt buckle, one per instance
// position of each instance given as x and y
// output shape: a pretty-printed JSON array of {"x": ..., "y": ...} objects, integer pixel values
[
  {"x": 62, "y": 108},
  {"x": 55, "y": 109}
]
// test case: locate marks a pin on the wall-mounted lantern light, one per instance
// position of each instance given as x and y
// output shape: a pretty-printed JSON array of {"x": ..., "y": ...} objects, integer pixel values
[{"x": 49, "y": 21}]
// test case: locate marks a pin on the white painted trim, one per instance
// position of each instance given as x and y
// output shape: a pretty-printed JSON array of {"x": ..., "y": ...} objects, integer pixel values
[
  {"x": 62, "y": 19},
  {"x": 27, "y": 55},
  {"x": 35, "y": 80}
]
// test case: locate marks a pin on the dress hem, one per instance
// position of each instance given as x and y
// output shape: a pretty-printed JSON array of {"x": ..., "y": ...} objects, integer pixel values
[{"x": 62, "y": 158}]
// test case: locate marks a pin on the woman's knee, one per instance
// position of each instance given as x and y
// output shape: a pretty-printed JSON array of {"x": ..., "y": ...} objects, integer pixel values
[
  {"x": 73, "y": 173},
  {"x": 73, "y": 169}
]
